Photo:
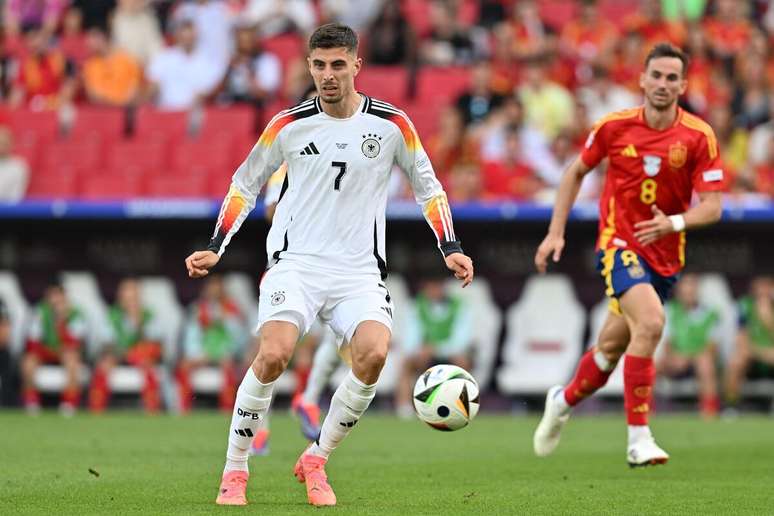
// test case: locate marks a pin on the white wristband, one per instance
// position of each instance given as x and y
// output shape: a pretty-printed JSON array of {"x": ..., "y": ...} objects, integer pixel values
[{"x": 678, "y": 222}]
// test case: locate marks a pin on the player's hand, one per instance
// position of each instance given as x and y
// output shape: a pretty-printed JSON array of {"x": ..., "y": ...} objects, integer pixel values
[
  {"x": 200, "y": 263},
  {"x": 648, "y": 231},
  {"x": 551, "y": 245},
  {"x": 462, "y": 266}
]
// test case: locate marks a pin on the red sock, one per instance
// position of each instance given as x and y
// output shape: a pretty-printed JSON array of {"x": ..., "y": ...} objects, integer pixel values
[
  {"x": 588, "y": 378},
  {"x": 639, "y": 375},
  {"x": 99, "y": 392},
  {"x": 228, "y": 390},
  {"x": 71, "y": 397},
  {"x": 30, "y": 397},
  {"x": 710, "y": 405},
  {"x": 150, "y": 391},
  {"x": 184, "y": 390}
]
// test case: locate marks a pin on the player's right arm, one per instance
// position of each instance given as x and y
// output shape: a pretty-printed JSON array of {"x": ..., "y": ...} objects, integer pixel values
[
  {"x": 247, "y": 181},
  {"x": 594, "y": 151}
]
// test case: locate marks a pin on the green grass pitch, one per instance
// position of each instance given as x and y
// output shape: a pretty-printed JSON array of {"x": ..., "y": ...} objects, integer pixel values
[{"x": 171, "y": 465}]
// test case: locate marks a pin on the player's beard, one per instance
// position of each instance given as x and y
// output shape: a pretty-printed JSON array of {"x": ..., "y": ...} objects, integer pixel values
[
  {"x": 335, "y": 99},
  {"x": 664, "y": 103}
]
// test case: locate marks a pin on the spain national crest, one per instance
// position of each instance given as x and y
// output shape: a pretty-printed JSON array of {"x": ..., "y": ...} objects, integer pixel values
[
  {"x": 651, "y": 164},
  {"x": 678, "y": 154}
]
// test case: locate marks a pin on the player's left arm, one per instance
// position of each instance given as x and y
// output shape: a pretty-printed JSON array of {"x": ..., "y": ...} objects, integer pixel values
[
  {"x": 707, "y": 179},
  {"x": 415, "y": 163}
]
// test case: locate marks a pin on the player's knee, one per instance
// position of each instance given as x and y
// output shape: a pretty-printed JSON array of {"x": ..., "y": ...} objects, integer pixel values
[
  {"x": 273, "y": 358},
  {"x": 650, "y": 327}
]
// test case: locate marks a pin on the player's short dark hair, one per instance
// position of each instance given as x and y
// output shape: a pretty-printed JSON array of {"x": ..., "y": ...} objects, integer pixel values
[
  {"x": 334, "y": 35},
  {"x": 667, "y": 50}
]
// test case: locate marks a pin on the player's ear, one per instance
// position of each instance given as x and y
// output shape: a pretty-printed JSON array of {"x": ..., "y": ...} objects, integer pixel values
[
  {"x": 358, "y": 65},
  {"x": 642, "y": 80},
  {"x": 683, "y": 85}
]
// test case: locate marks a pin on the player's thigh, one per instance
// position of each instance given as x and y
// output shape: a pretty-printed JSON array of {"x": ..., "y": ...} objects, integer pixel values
[
  {"x": 370, "y": 343},
  {"x": 286, "y": 295},
  {"x": 355, "y": 301},
  {"x": 642, "y": 309}
]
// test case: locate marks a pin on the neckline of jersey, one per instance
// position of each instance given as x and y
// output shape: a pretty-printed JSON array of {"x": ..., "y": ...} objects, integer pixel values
[
  {"x": 678, "y": 118},
  {"x": 356, "y": 113}
]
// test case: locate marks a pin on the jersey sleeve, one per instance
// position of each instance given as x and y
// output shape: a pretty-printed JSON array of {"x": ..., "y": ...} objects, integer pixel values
[
  {"x": 247, "y": 181},
  {"x": 595, "y": 148},
  {"x": 708, "y": 173},
  {"x": 274, "y": 186},
  {"x": 428, "y": 192}
]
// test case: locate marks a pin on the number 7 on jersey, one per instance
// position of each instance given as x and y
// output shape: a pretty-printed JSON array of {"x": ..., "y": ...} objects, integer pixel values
[{"x": 342, "y": 166}]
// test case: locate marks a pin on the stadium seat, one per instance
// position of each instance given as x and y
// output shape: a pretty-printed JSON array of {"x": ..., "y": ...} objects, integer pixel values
[
  {"x": 78, "y": 153},
  {"x": 232, "y": 121},
  {"x": 488, "y": 321},
  {"x": 425, "y": 118},
  {"x": 151, "y": 123},
  {"x": 110, "y": 187},
  {"x": 19, "y": 310},
  {"x": 614, "y": 386},
  {"x": 215, "y": 153},
  {"x": 287, "y": 47},
  {"x": 441, "y": 85},
  {"x": 52, "y": 378},
  {"x": 387, "y": 83},
  {"x": 149, "y": 154},
  {"x": 171, "y": 186},
  {"x": 543, "y": 336},
  {"x": 83, "y": 291},
  {"x": 98, "y": 123},
  {"x": 42, "y": 125},
  {"x": 159, "y": 295},
  {"x": 60, "y": 183}
]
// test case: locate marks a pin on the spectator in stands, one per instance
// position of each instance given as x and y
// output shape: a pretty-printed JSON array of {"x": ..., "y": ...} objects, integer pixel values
[
  {"x": 526, "y": 31},
  {"x": 755, "y": 340},
  {"x": 179, "y": 77},
  {"x": 56, "y": 336},
  {"x": 691, "y": 339},
  {"x": 465, "y": 183},
  {"x": 751, "y": 104},
  {"x": 6, "y": 368},
  {"x": 273, "y": 18},
  {"x": 733, "y": 140},
  {"x": 439, "y": 329},
  {"x": 649, "y": 22},
  {"x": 512, "y": 178},
  {"x": 548, "y": 106},
  {"x": 42, "y": 13},
  {"x": 135, "y": 339},
  {"x": 476, "y": 103},
  {"x": 45, "y": 77},
  {"x": 728, "y": 29},
  {"x": 761, "y": 177},
  {"x": 72, "y": 40},
  {"x": 111, "y": 77},
  {"x": 447, "y": 43},
  {"x": 213, "y": 23},
  {"x": 215, "y": 335},
  {"x": 136, "y": 30},
  {"x": 358, "y": 14},
  {"x": 602, "y": 96},
  {"x": 491, "y": 13},
  {"x": 14, "y": 171},
  {"x": 451, "y": 144},
  {"x": 391, "y": 39},
  {"x": 589, "y": 37},
  {"x": 254, "y": 75},
  {"x": 96, "y": 13},
  {"x": 564, "y": 150},
  {"x": 700, "y": 66},
  {"x": 687, "y": 11}
]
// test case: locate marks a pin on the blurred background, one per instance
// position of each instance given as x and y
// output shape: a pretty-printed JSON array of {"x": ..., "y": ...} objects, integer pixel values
[{"x": 121, "y": 122}]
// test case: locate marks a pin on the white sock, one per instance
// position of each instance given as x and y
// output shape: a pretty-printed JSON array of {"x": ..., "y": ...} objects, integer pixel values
[
  {"x": 561, "y": 402},
  {"x": 252, "y": 402},
  {"x": 324, "y": 363},
  {"x": 638, "y": 433},
  {"x": 603, "y": 363},
  {"x": 349, "y": 402}
]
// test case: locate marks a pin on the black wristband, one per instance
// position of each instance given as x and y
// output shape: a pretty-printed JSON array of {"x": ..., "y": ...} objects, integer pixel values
[
  {"x": 452, "y": 247},
  {"x": 213, "y": 246}
]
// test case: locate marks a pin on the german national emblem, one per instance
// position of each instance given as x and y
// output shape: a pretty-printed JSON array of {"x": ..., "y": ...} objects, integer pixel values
[
  {"x": 651, "y": 164},
  {"x": 278, "y": 298},
  {"x": 371, "y": 146},
  {"x": 678, "y": 154}
]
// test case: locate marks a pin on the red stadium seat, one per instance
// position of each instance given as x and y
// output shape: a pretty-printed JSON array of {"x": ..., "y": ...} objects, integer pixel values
[
  {"x": 425, "y": 118},
  {"x": 172, "y": 186},
  {"x": 104, "y": 124},
  {"x": 287, "y": 47},
  {"x": 59, "y": 183},
  {"x": 216, "y": 153},
  {"x": 387, "y": 83},
  {"x": 110, "y": 187},
  {"x": 152, "y": 123},
  {"x": 442, "y": 85},
  {"x": 42, "y": 125},
  {"x": 238, "y": 120},
  {"x": 151, "y": 155},
  {"x": 82, "y": 154}
]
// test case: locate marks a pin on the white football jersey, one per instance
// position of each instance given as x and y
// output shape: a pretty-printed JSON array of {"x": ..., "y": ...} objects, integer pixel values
[{"x": 331, "y": 209}]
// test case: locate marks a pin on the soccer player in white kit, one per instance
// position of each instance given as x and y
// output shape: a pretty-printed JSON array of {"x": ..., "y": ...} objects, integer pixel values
[{"x": 325, "y": 247}]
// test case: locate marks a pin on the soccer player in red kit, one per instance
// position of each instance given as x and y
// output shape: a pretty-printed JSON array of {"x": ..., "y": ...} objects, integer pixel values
[{"x": 657, "y": 156}]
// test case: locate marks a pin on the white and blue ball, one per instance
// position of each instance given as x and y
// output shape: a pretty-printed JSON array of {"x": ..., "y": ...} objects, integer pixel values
[{"x": 446, "y": 397}]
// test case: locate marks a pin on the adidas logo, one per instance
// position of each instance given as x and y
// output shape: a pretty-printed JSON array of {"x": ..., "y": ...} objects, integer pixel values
[
  {"x": 310, "y": 150},
  {"x": 244, "y": 432},
  {"x": 349, "y": 424},
  {"x": 629, "y": 151}
]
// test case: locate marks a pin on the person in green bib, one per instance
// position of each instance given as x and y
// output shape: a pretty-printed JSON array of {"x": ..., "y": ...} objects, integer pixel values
[
  {"x": 135, "y": 339},
  {"x": 438, "y": 330},
  {"x": 56, "y": 336},
  {"x": 691, "y": 342},
  {"x": 215, "y": 335},
  {"x": 755, "y": 339}
]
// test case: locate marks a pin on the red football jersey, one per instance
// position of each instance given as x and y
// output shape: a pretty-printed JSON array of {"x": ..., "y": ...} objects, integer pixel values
[{"x": 648, "y": 166}]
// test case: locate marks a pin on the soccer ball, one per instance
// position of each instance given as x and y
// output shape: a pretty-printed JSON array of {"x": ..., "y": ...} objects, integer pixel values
[{"x": 446, "y": 397}]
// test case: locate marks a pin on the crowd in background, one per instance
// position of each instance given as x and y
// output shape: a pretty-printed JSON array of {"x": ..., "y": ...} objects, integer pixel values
[{"x": 540, "y": 72}]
